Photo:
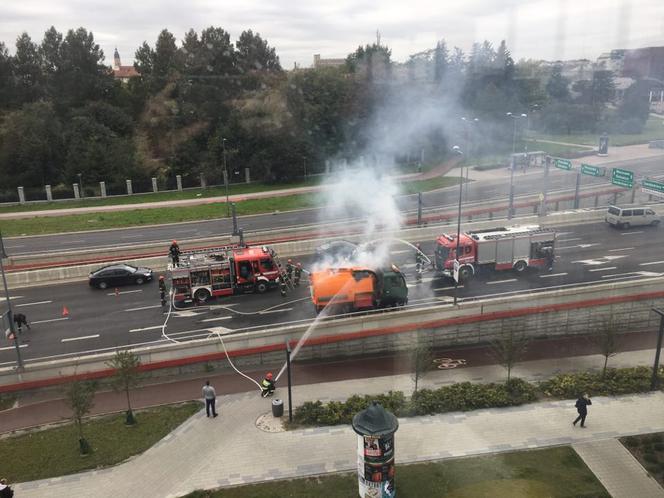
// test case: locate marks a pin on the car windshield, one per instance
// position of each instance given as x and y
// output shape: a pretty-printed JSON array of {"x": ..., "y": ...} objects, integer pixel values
[{"x": 614, "y": 210}]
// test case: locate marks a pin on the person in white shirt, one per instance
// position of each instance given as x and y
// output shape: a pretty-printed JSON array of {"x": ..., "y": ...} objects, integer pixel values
[{"x": 210, "y": 396}]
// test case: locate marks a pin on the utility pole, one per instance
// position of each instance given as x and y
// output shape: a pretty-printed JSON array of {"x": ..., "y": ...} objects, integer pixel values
[
  {"x": 419, "y": 208},
  {"x": 543, "y": 206},
  {"x": 226, "y": 179},
  {"x": 10, "y": 313},
  {"x": 290, "y": 392},
  {"x": 576, "y": 189},
  {"x": 458, "y": 237}
]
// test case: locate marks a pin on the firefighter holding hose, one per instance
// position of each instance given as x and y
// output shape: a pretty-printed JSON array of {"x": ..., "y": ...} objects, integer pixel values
[
  {"x": 297, "y": 274},
  {"x": 419, "y": 262},
  {"x": 267, "y": 386}
]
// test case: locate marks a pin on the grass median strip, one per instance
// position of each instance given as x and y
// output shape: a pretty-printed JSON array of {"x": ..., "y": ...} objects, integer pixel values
[
  {"x": 554, "y": 472},
  {"x": 40, "y": 454}
]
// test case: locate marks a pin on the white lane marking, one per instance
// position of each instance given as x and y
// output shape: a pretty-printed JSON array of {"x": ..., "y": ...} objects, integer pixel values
[
  {"x": 501, "y": 281},
  {"x": 569, "y": 240},
  {"x": 144, "y": 308},
  {"x": 13, "y": 247},
  {"x": 274, "y": 311},
  {"x": 33, "y": 304},
  {"x": 622, "y": 249},
  {"x": 630, "y": 233},
  {"x": 651, "y": 263},
  {"x": 154, "y": 327},
  {"x": 605, "y": 269},
  {"x": 10, "y": 297},
  {"x": 553, "y": 275},
  {"x": 620, "y": 274},
  {"x": 7, "y": 348},
  {"x": 73, "y": 241},
  {"x": 51, "y": 320},
  {"x": 186, "y": 314},
  {"x": 221, "y": 318},
  {"x": 81, "y": 338},
  {"x": 125, "y": 292},
  {"x": 448, "y": 288}
]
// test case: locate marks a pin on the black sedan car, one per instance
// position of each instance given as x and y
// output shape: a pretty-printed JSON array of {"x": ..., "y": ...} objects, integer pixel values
[{"x": 120, "y": 274}]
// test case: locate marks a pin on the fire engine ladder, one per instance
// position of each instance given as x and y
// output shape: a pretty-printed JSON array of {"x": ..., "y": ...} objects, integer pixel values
[{"x": 283, "y": 274}]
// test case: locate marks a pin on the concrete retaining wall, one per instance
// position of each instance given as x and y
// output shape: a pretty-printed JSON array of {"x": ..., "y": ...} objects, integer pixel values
[{"x": 545, "y": 314}]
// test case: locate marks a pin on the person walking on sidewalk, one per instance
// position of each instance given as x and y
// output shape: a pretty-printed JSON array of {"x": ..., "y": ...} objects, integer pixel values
[
  {"x": 210, "y": 396},
  {"x": 582, "y": 407}
]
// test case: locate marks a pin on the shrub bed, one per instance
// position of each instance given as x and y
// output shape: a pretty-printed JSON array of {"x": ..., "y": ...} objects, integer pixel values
[{"x": 466, "y": 396}]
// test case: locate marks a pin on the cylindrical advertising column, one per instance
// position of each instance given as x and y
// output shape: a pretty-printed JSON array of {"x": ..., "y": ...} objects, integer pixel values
[
  {"x": 375, "y": 428},
  {"x": 603, "y": 149}
]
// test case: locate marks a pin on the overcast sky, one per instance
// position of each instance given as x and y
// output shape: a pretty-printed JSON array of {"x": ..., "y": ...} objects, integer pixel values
[{"x": 540, "y": 29}]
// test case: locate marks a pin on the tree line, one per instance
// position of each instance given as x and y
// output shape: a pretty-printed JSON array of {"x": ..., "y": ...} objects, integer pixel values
[{"x": 62, "y": 114}]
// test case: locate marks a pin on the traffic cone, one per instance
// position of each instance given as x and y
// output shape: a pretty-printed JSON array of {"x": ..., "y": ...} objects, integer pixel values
[{"x": 65, "y": 312}]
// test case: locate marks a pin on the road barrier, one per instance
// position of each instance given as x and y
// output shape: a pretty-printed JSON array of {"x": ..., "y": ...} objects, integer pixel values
[{"x": 561, "y": 312}]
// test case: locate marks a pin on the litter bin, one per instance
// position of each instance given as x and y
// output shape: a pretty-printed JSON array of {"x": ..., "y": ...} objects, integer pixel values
[{"x": 277, "y": 408}]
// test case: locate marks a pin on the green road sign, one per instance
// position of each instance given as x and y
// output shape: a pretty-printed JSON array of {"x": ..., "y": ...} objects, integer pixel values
[
  {"x": 622, "y": 177},
  {"x": 587, "y": 169},
  {"x": 652, "y": 187},
  {"x": 562, "y": 164}
]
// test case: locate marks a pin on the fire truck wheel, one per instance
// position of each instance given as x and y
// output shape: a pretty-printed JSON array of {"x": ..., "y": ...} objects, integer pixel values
[
  {"x": 202, "y": 295},
  {"x": 520, "y": 266},
  {"x": 260, "y": 287}
]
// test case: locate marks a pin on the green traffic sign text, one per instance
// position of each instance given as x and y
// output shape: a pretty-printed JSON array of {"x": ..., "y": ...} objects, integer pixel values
[
  {"x": 562, "y": 164},
  {"x": 587, "y": 169},
  {"x": 653, "y": 185},
  {"x": 622, "y": 177}
]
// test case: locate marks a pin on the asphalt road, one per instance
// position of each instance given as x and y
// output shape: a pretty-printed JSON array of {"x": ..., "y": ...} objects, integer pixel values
[
  {"x": 100, "y": 320},
  {"x": 477, "y": 192}
]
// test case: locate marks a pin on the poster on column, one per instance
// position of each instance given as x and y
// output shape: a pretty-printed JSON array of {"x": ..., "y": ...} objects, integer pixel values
[{"x": 375, "y": 467}]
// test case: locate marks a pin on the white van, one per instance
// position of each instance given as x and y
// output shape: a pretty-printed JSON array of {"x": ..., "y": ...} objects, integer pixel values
[{"x": 631, "y": 217}]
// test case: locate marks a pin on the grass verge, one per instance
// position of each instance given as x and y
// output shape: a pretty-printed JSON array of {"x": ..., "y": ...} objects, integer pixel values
[
  {"x": 553, "y": 472},
  {"x": 41, "y": 454},
  {"x": 648, "y": 449}
]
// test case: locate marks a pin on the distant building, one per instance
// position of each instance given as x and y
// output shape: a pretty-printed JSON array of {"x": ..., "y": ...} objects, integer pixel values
[
  {"x": 643, "y": 63},
  {"x": 318, "y": 62},
  {"x": 120, "y": 72}
]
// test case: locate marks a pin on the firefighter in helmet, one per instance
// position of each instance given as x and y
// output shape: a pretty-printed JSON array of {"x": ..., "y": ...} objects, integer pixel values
[
  {"x": 419, "y": 262},
  {"x": 283, "y": 288},
  {"x": 162, "y": 290},
  {"x": 267, "y": 386},
  {"x": 297, "y": 274},
  {"x": 174, "y": 252},
  {"x": 290, "y": 267}
]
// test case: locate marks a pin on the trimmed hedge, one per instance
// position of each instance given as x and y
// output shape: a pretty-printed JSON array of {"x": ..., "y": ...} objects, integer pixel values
[{"x": 466, "y": 396}]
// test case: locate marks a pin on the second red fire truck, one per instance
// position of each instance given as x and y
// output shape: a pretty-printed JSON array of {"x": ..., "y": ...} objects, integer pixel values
[
  {"x": 508, "y": 248},
  {"x": 223, "y": 271}
]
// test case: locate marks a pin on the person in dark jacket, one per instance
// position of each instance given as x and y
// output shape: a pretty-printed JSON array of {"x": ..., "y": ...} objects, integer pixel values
[
  {"x": 162, "y": 290},
  {"x": 20, "y": 320},
  {"x": 267, "y": 386},
  {"x": 582, "y": 408},
  {"x": 5, "y": 490},
  {"x": 174, "y": 252}
]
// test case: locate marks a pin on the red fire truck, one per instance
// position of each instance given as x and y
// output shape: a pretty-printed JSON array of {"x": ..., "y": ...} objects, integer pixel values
[
  {"x": 223, "y": 271},
  {"x": 508, "y": 248}
]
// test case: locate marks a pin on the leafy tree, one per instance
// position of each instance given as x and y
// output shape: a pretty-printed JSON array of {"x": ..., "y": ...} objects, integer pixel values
[
  {"x": 558, "y": 86},
  {"x": 79, "y": 397},
  {"x": 6, "y": 77},
  {"x": 603, "y": 88},
  {"x": 421, "y": 360},
  {"x": 191, "y": 53},
  {"x": 440, "y": 61},
  {"x": 634, "y": 108},
  {"x": 50, "y": 50},
  {"x": 144, "y": 60},
  {"x": 509, "y": 348},
  {"x": 371, "y": 62},
  {"x": 27, "y": 70},
  {"x": 217, "y": 52},
  {"x": 126, "y": 376},
  {"x": 254, "y": 54},
  {"x": 31, "y": 146},
  {"x": 606, "y": 339}
]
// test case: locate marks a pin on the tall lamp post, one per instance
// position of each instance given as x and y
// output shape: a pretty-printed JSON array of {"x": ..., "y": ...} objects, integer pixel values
[
  {"x": 226, "y": 179},
  {"x": 457, "y": 150},
  {"x": 10, "y": 313},
  {"x": 515, "y": 117},
  {"x": 469, "y": 130}
]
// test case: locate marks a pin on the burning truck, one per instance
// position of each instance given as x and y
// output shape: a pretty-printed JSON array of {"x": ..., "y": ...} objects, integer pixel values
[{"x": 507, "y": 248}]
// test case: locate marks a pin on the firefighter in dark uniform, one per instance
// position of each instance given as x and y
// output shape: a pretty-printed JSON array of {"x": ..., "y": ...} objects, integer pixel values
[
  {"x": 297, "y": 274},
  {"x": 419, "y": 263},
  {"x": 282, "y": 285},
  {"x": 162, "y": 290},
  {"x": 290, "y": 267},
  {"x": 267, "y": 386},
  {"x": 174, "y": 252}
]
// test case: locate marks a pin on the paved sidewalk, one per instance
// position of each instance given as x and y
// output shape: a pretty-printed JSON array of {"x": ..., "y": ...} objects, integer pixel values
[
  {"x": 208, "y": 453},
  {"x": 620, "y": 473}
]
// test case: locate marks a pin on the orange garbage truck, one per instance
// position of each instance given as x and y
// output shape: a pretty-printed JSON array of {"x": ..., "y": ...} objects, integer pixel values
[{"x": 358, "y": 288}]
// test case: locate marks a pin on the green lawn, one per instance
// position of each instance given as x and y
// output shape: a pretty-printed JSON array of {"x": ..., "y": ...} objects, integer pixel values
[
  {"x": 54, "y": 452},
  {"x": 653, "y": 130},
  {"x": 554, "y": 472},
  {"x": 648, "y": 449}
]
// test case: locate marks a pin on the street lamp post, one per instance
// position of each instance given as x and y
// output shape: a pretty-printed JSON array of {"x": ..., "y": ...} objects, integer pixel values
[
  {"x": 468, "y": 123},
  {"x": 654, "y": 382},
  {"x": 510, "y": 212},
  {"x": 457, "y": 149},
  {"x": 226, "y": 179},
  {"x": 10, "y": 313}
]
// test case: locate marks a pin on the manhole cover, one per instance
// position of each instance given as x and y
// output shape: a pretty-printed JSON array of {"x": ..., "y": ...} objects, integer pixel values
[{"x": 268, "y": 423}]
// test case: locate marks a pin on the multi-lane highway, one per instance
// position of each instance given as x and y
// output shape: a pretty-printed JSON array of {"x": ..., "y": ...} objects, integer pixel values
[
  {"x": 477, "y": 192},
  {"x": 101, "y": 319}
]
